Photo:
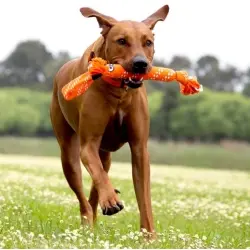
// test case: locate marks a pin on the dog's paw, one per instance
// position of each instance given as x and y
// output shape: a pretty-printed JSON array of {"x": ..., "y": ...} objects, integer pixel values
[
  {"x": 109, "y": 202},
  {"x": 113, "y": 210}
]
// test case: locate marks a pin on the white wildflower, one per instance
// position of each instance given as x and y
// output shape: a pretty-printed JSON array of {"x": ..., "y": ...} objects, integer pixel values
[
  {"x": 89, "y": 240},
  {"x": 106, "y": 245},
  {"x": 124, "y": 237},
  {"x": 41, "y": 236},
  {"x": 204, "y": 237},
  {"x": 31, "y": 235}
]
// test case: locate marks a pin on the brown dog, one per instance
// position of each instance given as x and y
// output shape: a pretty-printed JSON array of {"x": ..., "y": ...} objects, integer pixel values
[{"x": 91, "y": 126}]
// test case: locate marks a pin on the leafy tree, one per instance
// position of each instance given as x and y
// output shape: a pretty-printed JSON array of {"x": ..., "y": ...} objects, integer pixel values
[
  {"x": 25, "y": 65},
  {"x": 52, "y": 66},
  {"x": 229, "y": 79},
  {"x": 29, "y": 54},
  {"x": 207, "y": 71},
  {"x": 212, "y": 76},
  {"x": 180, "y": 63},
  {"x": 246, "y": 89},
  {"x": 31, "y": 65}
]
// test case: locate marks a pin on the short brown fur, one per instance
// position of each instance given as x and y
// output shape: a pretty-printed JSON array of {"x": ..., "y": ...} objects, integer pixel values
[{"x": 91, "y": 126}]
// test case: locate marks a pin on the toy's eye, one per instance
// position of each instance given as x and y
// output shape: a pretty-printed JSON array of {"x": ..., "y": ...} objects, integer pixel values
[
  {"x": 111, "y": 67},
  {"x": 121, "y": 41},
  {"x": 149, "y": 43}
]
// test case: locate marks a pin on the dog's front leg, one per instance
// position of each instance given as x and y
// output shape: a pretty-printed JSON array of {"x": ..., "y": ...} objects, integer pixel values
[
  {"x": 137, "y": 122},
  {"x": 94, "y": 117},
  {"x": 141, "y": 180},
  {"x": 108, "y": 199}
]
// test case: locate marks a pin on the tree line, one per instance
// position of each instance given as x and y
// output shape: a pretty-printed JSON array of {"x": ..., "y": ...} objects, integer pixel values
[{"x": 222, "y": 111}]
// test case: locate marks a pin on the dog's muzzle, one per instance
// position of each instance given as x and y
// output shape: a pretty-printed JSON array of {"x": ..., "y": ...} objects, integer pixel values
[{"x": 139, "y": 65}]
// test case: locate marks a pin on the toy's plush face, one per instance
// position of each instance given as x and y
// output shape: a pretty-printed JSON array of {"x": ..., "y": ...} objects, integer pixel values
[{"x": 129, "y": 43}]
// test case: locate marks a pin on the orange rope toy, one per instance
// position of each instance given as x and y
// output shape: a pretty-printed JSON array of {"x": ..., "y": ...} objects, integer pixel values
[{"x": 99, "y": 68}]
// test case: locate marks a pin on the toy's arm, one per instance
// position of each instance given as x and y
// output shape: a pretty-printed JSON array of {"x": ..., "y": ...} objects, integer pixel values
[{"x": 188, "y": 85}]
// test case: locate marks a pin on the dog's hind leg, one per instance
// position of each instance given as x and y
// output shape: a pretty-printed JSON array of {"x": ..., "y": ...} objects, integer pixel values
[
  {"x": 70, "y": 158},
  {"x": 94, "y": 198}
]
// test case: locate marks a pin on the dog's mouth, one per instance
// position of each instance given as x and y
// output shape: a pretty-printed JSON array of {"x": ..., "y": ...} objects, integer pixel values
[{"x": 133, "y": 82}]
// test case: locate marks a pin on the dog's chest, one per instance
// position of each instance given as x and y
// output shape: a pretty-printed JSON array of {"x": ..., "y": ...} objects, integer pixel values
[{"x": 115, "y": 134}]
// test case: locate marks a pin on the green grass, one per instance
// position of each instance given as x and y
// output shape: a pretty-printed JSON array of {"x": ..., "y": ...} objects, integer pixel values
[
  {"x": 196, "y": 208},
  {"x": 227, "y": 156}
]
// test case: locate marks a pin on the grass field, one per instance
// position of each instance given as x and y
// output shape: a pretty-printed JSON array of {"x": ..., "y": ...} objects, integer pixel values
[
  {"x": 193, "y": 208},
  {"x": 227, "y": 155}
]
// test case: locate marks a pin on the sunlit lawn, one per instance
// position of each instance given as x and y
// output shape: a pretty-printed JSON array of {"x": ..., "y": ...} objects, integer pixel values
[{"x": 193, "y": 208}]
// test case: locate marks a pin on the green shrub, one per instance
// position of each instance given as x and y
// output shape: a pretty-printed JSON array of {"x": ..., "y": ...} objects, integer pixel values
[
  {"x": 209, "y": 116},
  {"x": 24, "y": 112}
]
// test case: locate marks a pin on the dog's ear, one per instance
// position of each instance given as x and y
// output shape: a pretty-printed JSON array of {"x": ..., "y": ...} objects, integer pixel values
[
  {"x": 159, "y": 15},
  {"x": 105, "y": 22}
]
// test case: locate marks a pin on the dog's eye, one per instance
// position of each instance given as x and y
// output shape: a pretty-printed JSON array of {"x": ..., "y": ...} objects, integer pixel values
[
  {"x": 149, "y": 43},
  {"x": 121, "y": 41}
]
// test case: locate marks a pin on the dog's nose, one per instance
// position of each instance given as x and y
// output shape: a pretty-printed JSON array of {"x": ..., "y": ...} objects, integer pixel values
[{"x": 139, "y": 64}]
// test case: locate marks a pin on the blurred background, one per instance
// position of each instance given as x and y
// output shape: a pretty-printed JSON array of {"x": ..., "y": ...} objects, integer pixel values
[{"x": 207, "y": 38}]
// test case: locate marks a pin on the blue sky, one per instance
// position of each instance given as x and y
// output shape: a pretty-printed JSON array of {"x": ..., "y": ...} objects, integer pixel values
[{"x": 193, "y": 27}]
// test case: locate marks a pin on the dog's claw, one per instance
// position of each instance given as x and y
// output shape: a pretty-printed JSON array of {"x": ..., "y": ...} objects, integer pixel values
[
  {"x": 117, "y": 208},
  {"x": 104, "y": 210},
  {"x": 120, "y": 205},
  {"x": 117, "y": 191}
]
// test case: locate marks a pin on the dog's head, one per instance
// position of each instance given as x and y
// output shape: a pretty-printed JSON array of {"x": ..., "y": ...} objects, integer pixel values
[{"x": 129, "y": 43}]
